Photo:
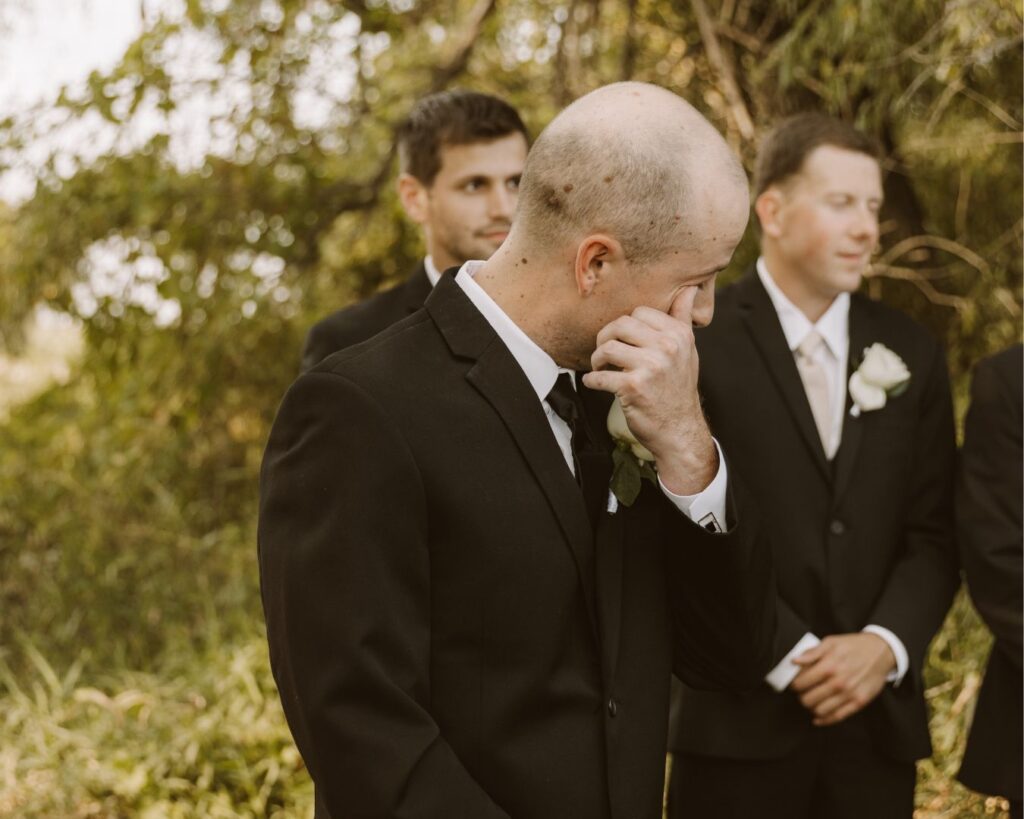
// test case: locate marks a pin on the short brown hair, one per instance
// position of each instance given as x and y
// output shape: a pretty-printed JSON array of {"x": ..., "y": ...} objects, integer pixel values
[
  {"x": 455, "y": 117},
  {"x": 786, "y": 147}
]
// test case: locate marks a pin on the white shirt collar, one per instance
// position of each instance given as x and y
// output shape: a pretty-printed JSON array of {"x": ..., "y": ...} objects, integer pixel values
[
  {"x": 833, "y": 326},
  {"x": 540, "y": 368},
  {"x": 432, "y": 272}
]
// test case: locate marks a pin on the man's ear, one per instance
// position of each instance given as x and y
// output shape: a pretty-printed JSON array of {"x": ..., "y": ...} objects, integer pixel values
[
  {"x": 596, "y": 257},
  {"x": 768, "y": 207},
  {"x": 414, "y": 197}
]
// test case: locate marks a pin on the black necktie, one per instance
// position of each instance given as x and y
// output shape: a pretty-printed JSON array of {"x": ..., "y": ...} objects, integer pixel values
[{"x": 588, "y": 460}]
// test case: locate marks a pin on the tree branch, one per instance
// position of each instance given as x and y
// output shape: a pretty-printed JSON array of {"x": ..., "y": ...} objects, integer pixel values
[
  {"x": 723, "y": 67},
  {"x": 463, "y": 49}
]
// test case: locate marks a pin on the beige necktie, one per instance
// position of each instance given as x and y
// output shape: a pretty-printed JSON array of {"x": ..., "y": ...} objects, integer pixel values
[{"x": 812, "y": 373}]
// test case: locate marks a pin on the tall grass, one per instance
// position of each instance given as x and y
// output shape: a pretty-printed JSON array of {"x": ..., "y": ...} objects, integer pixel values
[{"x": 204, "y": 736}]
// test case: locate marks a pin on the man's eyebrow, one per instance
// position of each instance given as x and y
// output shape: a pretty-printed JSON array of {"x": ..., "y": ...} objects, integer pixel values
[{"x": 472, "y": 177}]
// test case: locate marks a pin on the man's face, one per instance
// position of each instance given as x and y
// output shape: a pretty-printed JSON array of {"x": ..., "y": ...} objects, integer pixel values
[
  {"x": 825, "y": 226},
  {"x": 467, "y": 212},
  {"x": 661, "y": 284}
]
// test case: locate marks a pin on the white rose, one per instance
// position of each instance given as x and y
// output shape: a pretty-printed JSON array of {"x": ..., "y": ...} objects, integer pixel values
[
  {"x": 882, "y": 368},
  {"x": 865, "y": 395},
  {"x": 619, "y": 429}
]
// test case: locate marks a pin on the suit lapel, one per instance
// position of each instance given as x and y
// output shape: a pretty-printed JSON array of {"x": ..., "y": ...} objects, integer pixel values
[
  {"x": 762, "y": 323},
  {"x": 861, "y": 332},
  {"x": 496, "y": 375}
]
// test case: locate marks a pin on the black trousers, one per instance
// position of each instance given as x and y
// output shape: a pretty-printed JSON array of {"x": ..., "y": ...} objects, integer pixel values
[{"x": 836, "y": 774}]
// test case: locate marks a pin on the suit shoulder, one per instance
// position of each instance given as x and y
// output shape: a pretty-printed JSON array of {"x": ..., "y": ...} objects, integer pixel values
[
  {"x": 891, "y": 318},
  {"x": 384, "y": 351},
  {"x": 1006, "y": 365},
  {"x": 997, "y": 382},
  {"x": 898, "y": 330},
  {"x": 354, "y": 324}
]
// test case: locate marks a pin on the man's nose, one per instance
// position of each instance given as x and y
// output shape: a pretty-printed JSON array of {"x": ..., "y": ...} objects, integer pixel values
[
  {"x": 865, "y": 225},
  {"x": 501, "y": 203}
]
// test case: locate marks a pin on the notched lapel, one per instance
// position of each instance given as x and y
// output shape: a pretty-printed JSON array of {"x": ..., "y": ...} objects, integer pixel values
[
  {"x": 762, "y": 323},
  {"x": 499, "y": 379}
]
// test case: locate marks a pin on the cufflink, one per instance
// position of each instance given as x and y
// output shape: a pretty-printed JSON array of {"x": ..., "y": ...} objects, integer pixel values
[
  {"x": 613, "y": 503},
  {"x": 710, "y": 522}
]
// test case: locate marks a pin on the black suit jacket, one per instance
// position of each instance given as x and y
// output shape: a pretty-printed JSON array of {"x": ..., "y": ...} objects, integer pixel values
[
  {"x": 865, "y": 539},
  {"x": 361, "y": 321},
  {"x": 989, "y": 497},
  {"x": 449, "y": 635}
]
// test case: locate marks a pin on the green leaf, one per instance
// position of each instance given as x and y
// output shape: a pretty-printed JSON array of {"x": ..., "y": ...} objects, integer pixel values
[
  {"x": 899, "y": 389},
  {"x": 625, "y": 482}
]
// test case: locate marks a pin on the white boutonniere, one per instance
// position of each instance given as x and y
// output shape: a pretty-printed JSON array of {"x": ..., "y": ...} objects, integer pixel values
[
  {"x": 881, "y": 375},
  {"x": 632, "y": 461}
]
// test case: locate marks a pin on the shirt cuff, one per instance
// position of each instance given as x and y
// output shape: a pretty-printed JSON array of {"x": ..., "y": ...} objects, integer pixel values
[
  {"x": 785, "y": 672},
  {"x": 706, "y": 508},
  {"x": 899, "y": 651}
]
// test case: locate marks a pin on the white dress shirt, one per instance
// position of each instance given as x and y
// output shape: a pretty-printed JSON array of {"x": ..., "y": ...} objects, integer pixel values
[
  {"x": 834, "y": 328},
  {"x": 542, "y": 371}
]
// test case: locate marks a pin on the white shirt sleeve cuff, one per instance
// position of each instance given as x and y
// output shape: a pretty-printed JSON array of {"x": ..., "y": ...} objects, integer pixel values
[
  {"x": 706, "y": 508},
  {"x": 784, "y": 673},
  {"x": 899, "y": 651}
]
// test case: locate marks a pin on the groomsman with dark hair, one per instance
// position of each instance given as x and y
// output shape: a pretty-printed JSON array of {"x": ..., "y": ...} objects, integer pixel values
[
  {"x": 989, "y": 533},
  {"x": 836, "y": 413},
  {"x": 461, "y": 155}
]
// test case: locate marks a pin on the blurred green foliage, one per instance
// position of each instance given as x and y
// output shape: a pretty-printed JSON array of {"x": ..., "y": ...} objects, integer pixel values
[
  {"x": 229, "y": 181},
  {"x": 116, "y": 747}
]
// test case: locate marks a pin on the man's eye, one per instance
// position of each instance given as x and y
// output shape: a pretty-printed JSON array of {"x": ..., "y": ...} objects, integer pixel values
[
  {"x": 513, "y": 184},
  {"x": 473, "y": 185}
]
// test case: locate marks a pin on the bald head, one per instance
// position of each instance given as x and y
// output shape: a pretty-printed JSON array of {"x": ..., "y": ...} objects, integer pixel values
[{"x": 632, "y": 160}]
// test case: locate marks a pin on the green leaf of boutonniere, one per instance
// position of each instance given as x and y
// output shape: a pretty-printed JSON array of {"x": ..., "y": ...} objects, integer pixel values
[
  {"x": 899, "y": 389},
  {"x": 628, "y": 473}
]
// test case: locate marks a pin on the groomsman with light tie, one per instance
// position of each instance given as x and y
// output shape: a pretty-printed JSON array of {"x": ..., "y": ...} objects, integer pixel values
[{"x": 837, "y": 415}]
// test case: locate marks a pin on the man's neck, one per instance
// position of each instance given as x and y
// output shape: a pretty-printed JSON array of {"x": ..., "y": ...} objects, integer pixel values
[
  {"x": 812, "y": 305},
  {"x": 522, "y": 292}
]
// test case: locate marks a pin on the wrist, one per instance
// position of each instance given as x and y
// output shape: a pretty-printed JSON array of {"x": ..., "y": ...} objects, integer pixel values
[
  {"x": 688, "y": 463},
  {"x": 886, "y": 659}
]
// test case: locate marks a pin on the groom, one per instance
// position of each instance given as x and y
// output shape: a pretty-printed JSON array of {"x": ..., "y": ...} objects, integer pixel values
[{"x": 462, "y": 621}]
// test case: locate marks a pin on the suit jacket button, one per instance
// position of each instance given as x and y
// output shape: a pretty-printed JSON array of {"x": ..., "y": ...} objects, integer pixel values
[
  {"x": 837, "y": 527},
  {"x": 613, "y": 707}
]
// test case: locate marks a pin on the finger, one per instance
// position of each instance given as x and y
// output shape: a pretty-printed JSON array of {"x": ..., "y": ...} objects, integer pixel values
[
  {"x": 616, "y": 354},
  {"x": 815, "y": 696},
  {"x": 829, "y": 705},
  {"x": 810, "y": 677},
  {"x": 811, "y": 655},
  {"x": 845, "y": 711},
  {"x": 682, "y": 307},
  {"x": 631, "y": 330},
  {"x": 605, "y": 380},
  {"x": 656, "y": 319}
]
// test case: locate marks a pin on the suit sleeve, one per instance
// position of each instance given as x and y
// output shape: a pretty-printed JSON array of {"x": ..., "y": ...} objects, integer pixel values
[
  {"x": 722, "y": 594},
  {"x": 989, "y": 488},
  {"x": 923, "y": 580},
  {"x": 344, "y": 571}
]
